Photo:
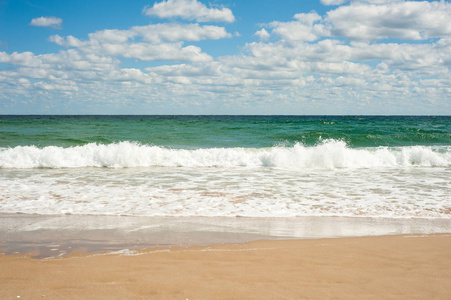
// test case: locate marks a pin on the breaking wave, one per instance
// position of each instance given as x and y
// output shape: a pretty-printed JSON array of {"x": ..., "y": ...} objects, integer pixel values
[{"x": 329, "y": 154}]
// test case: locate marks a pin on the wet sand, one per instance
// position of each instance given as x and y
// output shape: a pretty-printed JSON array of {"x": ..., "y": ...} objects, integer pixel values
[
  {"x": 386, "y": 267},
  {"x": 54, "y": 235}
]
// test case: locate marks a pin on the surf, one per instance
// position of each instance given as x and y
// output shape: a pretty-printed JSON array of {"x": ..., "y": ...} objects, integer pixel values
[{"x": 326, "y": 154}]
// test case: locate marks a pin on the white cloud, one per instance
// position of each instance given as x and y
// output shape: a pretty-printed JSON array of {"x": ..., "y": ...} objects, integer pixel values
[
  {"x": 112, "y": 36},
  {"x": 157, "y": 41},
  {"x": 62, "y": 61},
  {"x": 173, "y": 32},
  {"x": 339, "y": 2},
  {"x": 306, "y": 27},
  {"x": 23, "y": 59},
  {"x": 333, "y": 2},
  {"x": 53, "y": 22},
  {"x": 154, "y": 33},
  {"x": 307, "y": 19},
  {"x": 64, "y": 86},
  {"x": 197, "y": 70},
  {"x": 192, "y": 10},
  {"x": 404, "y": 56},
  {"x": 400, "y": 20},
  {"x": 303, "y": 29},
  {"x": 311, "y": 59},
  {"x": 69, "y": 41},
  {"x": 143, "y": 51},
  {"x": 262, "y": 34}
]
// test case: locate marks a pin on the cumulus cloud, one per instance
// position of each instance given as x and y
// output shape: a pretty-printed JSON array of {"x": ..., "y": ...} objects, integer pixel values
[
  {"x": 339, "y": 2},
  {"x": 192, "y": 10},
  {"x": 400, "y": 20},
  {"x": 333, "y": 2},
  {"x": 305, "y": 28},
  {"x": 262, "y": 34},
  {"x": 154, "y": 33},
  {"x": 52, "y": 22},
  {"x": 352, "y": 56},
  {"x": 157, "y": 41},
  {"x": 58, "y": 65},
  {"x": 173, "y": 32},
  {"x": 141, "y": 51},
  {"x": 24, "y": 58}
]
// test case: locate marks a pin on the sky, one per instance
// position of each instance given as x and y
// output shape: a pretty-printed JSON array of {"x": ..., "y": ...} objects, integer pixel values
[{"x": 320, "y": 57}]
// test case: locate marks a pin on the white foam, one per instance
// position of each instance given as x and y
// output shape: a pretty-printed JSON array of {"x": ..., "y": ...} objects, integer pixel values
[
  {"x": 329, "y": 179},
  {"x": 330, "y": 154},
  {"x": 252, "y": 192}
]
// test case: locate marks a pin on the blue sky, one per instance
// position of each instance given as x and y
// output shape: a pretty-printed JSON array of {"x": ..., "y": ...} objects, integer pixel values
[{"x": 225, "y": 57}]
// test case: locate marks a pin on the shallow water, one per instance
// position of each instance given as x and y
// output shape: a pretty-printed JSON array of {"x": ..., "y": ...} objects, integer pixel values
[{"x": 59, "y": 235}]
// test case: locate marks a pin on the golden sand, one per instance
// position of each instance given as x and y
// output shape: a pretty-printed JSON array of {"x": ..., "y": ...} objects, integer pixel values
[{"x": 388, "y": 267}]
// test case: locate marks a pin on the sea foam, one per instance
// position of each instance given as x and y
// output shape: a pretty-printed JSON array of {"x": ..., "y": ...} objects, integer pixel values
[{"x": 328, "y": 154}]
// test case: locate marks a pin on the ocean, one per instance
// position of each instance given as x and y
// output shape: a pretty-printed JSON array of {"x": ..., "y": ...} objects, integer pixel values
[{"x": 227, "y": 166}]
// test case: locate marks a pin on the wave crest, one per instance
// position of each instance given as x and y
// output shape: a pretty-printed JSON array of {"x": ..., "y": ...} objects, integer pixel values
[{"x": 329, "y": 154}]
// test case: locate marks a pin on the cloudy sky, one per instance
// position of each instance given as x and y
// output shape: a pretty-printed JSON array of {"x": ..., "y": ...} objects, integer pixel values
[{"x": 225, "y": 57}]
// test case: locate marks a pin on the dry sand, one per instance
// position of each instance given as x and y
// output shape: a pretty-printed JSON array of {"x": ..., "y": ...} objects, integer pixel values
[{"x": 388, "y": 267}]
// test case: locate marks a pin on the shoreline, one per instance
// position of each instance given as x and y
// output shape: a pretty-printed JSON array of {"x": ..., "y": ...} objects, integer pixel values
[
  {"x": 375, "y": 267},
  {"x": 119, "y": 257},
  {"x": 47, "y": 236}
]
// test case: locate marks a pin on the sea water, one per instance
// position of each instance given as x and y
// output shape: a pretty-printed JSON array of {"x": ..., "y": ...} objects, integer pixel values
[{"x": 252, "y": 166}]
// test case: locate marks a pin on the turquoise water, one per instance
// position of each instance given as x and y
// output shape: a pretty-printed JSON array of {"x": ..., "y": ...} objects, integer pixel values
[
  {"x": 224, "y": 131},
  {"x": 254, "y": 166}
]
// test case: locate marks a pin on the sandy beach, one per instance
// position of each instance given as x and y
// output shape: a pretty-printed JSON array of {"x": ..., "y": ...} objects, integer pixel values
[{"x": 387, "y": 267}]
